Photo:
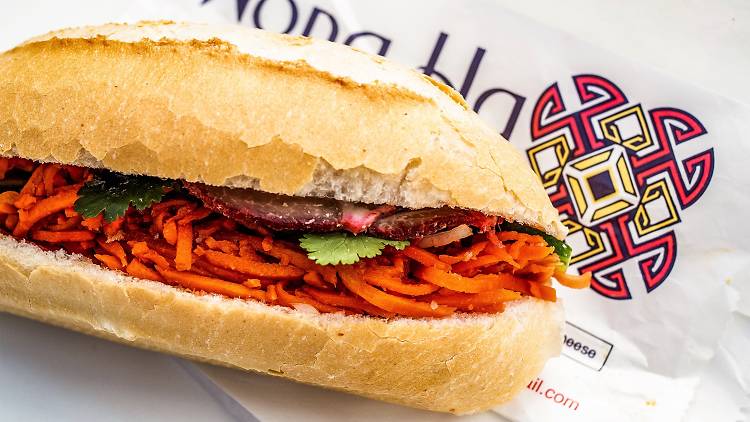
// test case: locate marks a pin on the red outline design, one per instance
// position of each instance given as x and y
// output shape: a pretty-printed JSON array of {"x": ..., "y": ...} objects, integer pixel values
[{"x": 655, "y": 257}]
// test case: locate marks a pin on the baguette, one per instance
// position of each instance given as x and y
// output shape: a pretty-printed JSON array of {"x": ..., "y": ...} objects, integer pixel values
[{"x": 225, "y": 106}]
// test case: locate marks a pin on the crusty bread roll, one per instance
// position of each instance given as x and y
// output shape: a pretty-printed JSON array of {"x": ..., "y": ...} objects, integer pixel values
[{"x": 237, "y": 107}]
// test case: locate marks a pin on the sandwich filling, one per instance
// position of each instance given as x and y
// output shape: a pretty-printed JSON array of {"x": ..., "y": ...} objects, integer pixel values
[{"x": 312, "y": 254}]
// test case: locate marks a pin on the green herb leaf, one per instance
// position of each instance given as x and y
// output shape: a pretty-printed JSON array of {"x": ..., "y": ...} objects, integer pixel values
[
  {"x": 562, "y": 249},
  {"x": 345, "y": 248},
  {"x": 113, "y": 193}
]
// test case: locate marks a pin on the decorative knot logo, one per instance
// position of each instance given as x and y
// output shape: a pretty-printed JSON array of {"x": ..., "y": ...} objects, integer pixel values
[{"x": 620, "y": 176}]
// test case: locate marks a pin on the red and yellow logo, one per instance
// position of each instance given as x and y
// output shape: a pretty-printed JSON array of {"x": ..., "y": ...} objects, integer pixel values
[{"x": 620, "y": 176}]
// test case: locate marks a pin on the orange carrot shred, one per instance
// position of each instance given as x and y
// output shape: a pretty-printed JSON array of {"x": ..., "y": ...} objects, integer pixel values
[
  {"x": 425, "y": 258},
  {"x": 137, "y": 269},
  {"x": 25, "y": 201},
  {"x": 395, "y": 284},
  {"x": 314, "y": 279},
  {"x": 158, "y": 221},
  {"x": 93, "y": 223},
  {"x": 352, "y": 302},
  {"x": 195, "y": 215},
  {"x": 170, "y": 232},
  {"x": 502, "y": 253},
  {"x": 114, "y": 249},
  {"x": 492, "y": 237},
  {"x": 62, "y": 236},
  {"x": 543, "y": 292},
  {"x": 36, "y": 178},
  {"x": 459, "y": 283},
  {"x": 267, "y": 243},
  {"x": 518, "y": 236},
  {"x": 295, "y": 258},
  {"x": 8, "y": 197},
  {"x": 391, "y": 303},
  {"x": 184, "y": 258},
  {"x": 285, "y": 298},
  {"x": 208, "y": 284},
  {"x": 110, "y": 261},
  {"x": 573, "y": 281},
  {"x": 271, "y": 293},
  {"x": 223, "y": 245},
  {"x": 11, "y": 221},
  {"x": 48, "y": 178},
  {"x": 252, "y": 283},
  {"x": 468, "y": 301},
  {"x": 113, "y": 228},
  {"x": 480, "y": 261},
  {"x": 253, "y": 268},
  {"x": 65, "y": 224},
  {"x": 142, "y": 251}
]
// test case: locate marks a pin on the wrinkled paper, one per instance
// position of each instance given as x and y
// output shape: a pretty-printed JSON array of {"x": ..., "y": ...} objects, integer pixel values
[{"x": 649, "y": 174}]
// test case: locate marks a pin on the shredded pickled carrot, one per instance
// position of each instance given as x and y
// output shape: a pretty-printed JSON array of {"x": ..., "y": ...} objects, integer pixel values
[
  {"x": 110, "y": 261},
  {"x": 206, "y": 284},
  {"x": 481, "y": 261},
  {"x": 289, "y": 300},
  {"x": 65, "y": 223},
  {"x": 11, "y": 221},
  {"x": 314, "y": 279},
  {"x": 271, "y": 293},
  {"x": 184, "y": 258},
  {"x": 8, "y": 197},
  {"x": 346, "y": 301},
  {"x": 170, "y": 232},
  {"x": 221, "y": 245},
  {"x": 379, "y": 278},
  {"x": 470, "y": 302},
  {"x": 137, "y": 269},
  {"x": 252, "y": 283},
  {"x": 113, "y": 228},
  {"x": 573, "y": 281},
  {"x": 252, "y": 268},
  {"x": 62, "y": 236},
  {"x": 459, "y": 283},
  {"x": 115, "y": 249},
  {"x": 469, "y": 253},
  {"x": 142, "y": 251},
  {"x": 93, "y": 223},
  {"x": 182, "y": 243},
  {"x": 42, "y": 209},
  {"x": 48, "y": 178},
  {"x": 391, "y": 303},
  {"x": 425, "y": 258},
  {"x": 34, "y": 180}
]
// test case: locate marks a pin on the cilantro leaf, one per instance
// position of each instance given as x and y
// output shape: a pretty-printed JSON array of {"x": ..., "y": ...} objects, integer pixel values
[
  {"x": 562, "y": 249},
  {"x": 113, "y": 193},
  {"x": 345, "y": 248}
]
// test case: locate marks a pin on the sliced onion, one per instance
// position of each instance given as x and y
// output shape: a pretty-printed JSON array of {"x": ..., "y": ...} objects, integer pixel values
[{"x": 446, "y": 237}]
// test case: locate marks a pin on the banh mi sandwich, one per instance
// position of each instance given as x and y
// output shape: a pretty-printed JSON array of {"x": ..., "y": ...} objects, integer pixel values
[{"x": 275, "y": 204}]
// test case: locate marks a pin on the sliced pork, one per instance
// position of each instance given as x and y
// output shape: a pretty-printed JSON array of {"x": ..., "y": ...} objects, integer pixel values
[{"x": 291, "y": 213}]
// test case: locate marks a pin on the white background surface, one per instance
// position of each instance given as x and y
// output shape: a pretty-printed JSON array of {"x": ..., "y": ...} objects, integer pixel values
[{"x": 48, "y": 373}]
